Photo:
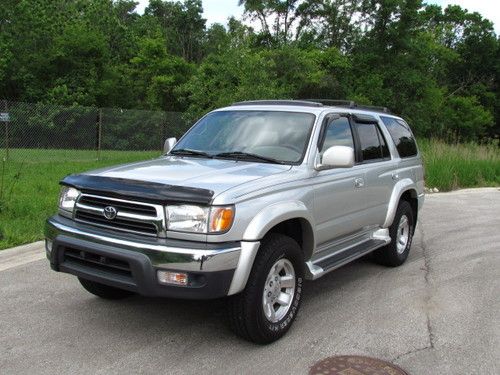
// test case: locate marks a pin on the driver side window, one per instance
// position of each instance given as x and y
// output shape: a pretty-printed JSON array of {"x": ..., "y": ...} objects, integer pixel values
[{"x": 337, "y": 133}]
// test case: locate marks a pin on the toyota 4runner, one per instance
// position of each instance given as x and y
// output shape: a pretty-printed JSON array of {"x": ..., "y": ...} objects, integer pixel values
[{"x": 252, "y": 200}]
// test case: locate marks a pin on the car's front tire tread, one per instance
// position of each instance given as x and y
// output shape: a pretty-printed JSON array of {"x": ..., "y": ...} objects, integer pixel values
[{"x": 245, "y": 313}]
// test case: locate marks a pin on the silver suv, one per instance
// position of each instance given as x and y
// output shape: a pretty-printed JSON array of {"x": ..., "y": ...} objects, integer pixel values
[{"x": 252, "y": 200}]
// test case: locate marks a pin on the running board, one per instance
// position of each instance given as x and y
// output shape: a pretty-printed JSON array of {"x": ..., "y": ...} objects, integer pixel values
[{"x": 340, "y": 257}]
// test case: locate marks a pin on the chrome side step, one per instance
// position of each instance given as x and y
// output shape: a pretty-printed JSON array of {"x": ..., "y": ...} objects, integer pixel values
[{"x": 341, "y": 256}]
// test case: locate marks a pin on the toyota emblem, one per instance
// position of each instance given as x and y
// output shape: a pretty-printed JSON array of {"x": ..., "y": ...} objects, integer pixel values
[{"x": 110, "y": 212}]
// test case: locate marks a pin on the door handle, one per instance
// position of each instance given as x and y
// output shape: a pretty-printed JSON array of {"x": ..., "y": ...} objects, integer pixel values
[{"x": 359, "y": 182}]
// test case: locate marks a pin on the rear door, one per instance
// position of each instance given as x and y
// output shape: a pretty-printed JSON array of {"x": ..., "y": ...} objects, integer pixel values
[{"x": 374, "y": 159}]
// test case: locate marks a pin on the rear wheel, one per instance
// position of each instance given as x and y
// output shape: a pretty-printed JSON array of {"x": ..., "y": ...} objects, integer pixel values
[
  {"x": 266, "y": 309},
  {"x": 401, "y": 232},
  {"x": 104, "y": 291}
]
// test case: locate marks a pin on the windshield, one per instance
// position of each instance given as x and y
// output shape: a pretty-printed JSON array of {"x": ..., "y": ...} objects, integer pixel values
[{"x": 272, "y": 135}]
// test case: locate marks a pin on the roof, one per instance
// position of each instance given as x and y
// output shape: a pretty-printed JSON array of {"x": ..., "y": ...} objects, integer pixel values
[{"x": 315, "y": 106}]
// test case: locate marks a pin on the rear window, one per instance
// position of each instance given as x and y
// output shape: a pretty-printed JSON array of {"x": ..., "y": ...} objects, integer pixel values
[{"x": 401, "y": 135}]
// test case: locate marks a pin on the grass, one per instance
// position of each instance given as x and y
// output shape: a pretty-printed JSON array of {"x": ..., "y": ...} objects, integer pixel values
[
  {"x": 31, "y": 189},
  {"x": 30, "y": 179},
  {"x": 454, "y": 166}
]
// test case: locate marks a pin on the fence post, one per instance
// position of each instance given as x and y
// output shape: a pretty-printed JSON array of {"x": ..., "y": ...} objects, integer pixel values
[
  {"x": 99, "y": 133},
  {"x": 163, "y": 132},
  {"x": 6, "y": 109}
]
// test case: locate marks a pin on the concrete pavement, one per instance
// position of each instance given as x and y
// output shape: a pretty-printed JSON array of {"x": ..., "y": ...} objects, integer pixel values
[
  {"x": 437, "y": 314},
  {"x": 17, "y": 256}
]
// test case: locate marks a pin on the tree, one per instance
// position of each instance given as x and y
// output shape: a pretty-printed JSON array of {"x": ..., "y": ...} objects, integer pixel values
[
  {"x": 158, "y": 74},
  {"x": 182, "y": 24},
  {"x": 276, "y": 17},
  {"x": 332, "y": 23},
  {"x": 235, "y": 75},
  {"x": 465, "y": 119},
  {"x": 439, "y": 68}
]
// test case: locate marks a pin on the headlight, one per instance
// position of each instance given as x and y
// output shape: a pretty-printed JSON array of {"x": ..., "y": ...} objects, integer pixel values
[
  {"x": 187, "y": 218},
  {"x": 67, "y": 199},
  {"x": 198, "y": 219}
]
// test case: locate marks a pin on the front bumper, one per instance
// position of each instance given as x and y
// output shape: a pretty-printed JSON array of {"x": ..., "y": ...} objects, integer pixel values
[{"x": 131, "y": 262}]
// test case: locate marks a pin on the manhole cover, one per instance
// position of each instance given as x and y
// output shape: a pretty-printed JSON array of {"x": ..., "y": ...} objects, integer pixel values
[{"x": 355, "y": 365}]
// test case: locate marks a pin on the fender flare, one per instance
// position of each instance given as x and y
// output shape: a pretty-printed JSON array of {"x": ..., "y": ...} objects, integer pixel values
[
  {"x": 398, "y": 190},
  {"x": 275, "y": 214},
  {"x": 257, "y": 229}
]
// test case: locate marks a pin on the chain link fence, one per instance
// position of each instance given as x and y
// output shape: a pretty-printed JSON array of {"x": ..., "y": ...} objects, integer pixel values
[{"x": 36, "y": 132}]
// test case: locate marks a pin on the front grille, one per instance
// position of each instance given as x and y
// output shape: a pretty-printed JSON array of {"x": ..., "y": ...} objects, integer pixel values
[
  {"x": 117, "y": 223},
  {"x": 125, "y": 206},
  {"x": 133, "y": 217},
  {"x": 98, "y": 262}
]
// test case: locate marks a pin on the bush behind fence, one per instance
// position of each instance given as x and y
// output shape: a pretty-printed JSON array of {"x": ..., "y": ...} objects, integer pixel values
[{"x": 81, "y": 132}]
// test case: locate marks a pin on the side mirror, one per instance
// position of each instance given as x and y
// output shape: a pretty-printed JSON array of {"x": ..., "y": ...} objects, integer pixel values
[
  {"x": 337, "y": 157},
  {"x": 169, "y": 144}
]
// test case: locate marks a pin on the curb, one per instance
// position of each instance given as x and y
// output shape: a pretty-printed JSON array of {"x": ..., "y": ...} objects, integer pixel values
[
  {"x": 19, "y": 255},
  {"x": 464, "y": 191}
]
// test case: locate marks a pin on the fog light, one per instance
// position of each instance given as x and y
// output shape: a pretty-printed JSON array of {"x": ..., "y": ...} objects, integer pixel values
[
  {"x": 173, "y": 278},
  {"x": 48, "y": 246}
]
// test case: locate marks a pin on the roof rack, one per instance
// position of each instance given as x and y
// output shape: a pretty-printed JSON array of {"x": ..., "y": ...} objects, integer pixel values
[
  {"x": 349, "y": 104},
  {"x": 303, "y": 103},
  {"x": 315, "y": 103},
  {"x": 335, "y": 102}
]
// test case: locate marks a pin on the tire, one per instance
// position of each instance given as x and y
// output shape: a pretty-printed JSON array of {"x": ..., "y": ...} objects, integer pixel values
[
  {"x": 395, "y": 253},
  {"x": 104, "y": 291},
  {"x": 250, "y": 312}
]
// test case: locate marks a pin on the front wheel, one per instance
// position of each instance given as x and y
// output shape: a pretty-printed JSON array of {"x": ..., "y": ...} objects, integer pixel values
[
  {"x": 266, "y": 309},
  {"x": 104, "y": 291}
]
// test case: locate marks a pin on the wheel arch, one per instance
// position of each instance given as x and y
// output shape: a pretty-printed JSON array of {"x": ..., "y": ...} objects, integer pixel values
[
  {"x": 411, "y": 197},
  {"x": 286, "y": 218},
  {"x": 403, "y": 190},
  {"x": 290, "y": 218}
]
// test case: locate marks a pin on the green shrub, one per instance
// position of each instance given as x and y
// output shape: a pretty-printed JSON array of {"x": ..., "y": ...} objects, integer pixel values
[{"x": 454, "y": 166}]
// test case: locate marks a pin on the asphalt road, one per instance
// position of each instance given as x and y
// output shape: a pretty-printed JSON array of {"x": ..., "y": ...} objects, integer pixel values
[{"x": 437, "y": 314}]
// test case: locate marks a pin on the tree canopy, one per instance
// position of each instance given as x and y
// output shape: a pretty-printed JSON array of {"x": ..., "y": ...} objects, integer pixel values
[{"x": 440, "y": 68}]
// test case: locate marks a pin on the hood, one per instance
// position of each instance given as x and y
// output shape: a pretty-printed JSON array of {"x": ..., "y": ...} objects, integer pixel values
[{"x": 216, "y": 175}]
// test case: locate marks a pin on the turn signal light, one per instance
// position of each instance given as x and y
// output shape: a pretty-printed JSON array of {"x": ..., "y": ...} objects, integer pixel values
[
  {"x": 221, "y": 219},
  {"x": 172, "y": 278}
]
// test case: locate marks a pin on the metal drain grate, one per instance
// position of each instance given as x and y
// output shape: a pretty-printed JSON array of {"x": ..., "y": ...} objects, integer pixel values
[{"x": 355, "y": 365}]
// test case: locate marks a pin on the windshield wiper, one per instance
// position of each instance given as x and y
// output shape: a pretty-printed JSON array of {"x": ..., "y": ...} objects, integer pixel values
[
  {"x": 189, "y": 152},
  {"x": 247, "y": 156}
]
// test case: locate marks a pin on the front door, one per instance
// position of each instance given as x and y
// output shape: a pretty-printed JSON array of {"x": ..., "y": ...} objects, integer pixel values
[{"x": 339, "y": 193}]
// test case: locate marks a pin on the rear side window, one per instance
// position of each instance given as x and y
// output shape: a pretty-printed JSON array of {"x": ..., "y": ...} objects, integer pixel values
[
  {"x": 372, "y": 143},
  {"x": 402, "y": 136}
]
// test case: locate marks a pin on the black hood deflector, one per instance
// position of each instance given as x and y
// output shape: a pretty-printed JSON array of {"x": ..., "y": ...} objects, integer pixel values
[{"x": 143, "y": 190}]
